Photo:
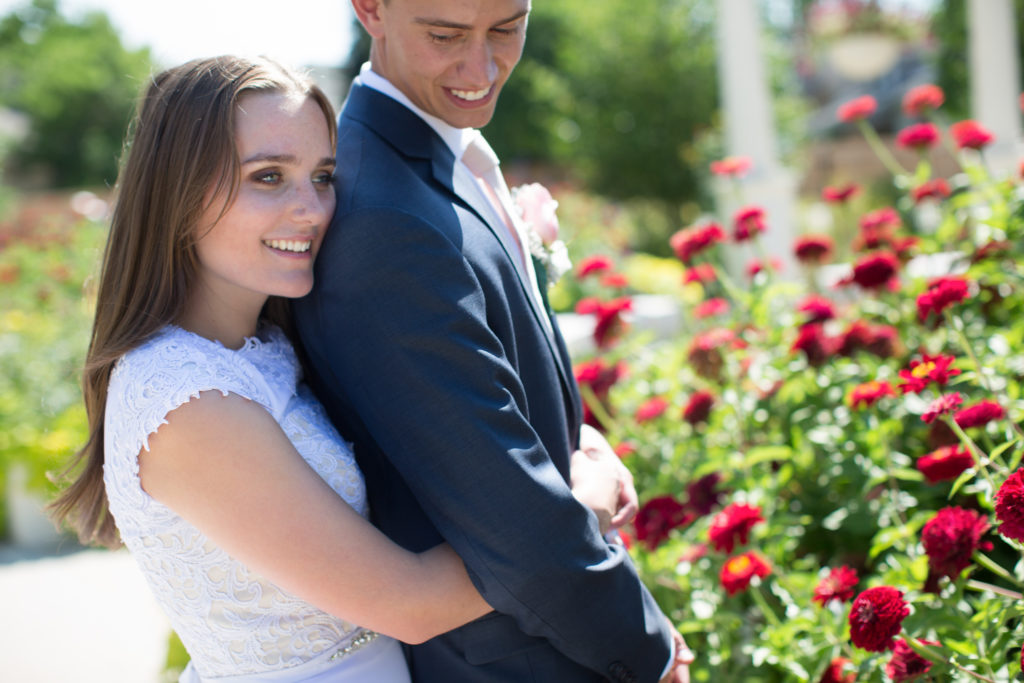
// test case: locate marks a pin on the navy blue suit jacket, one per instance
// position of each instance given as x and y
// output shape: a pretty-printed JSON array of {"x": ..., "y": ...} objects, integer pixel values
[{"x": 429, "y": 353}]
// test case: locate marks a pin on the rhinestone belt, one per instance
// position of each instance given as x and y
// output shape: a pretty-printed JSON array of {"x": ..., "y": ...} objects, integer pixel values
[{"x": 363, "y": 637}]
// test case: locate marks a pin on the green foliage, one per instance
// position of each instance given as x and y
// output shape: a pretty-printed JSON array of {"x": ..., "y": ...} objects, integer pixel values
[
  {"x": 77, "y": 83},
  {"x": 617, "y": 91}
]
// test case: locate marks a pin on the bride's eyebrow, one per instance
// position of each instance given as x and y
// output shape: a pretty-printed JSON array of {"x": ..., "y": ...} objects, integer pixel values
[{"x": 286, "y": 159}]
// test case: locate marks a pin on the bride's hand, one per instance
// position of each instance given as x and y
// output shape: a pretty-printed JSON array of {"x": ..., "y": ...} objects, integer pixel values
[{"x": 596, "y": 482}]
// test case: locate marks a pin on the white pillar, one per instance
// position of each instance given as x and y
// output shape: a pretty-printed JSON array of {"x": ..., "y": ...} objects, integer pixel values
[
  {"x": 995, "y": 78},
  {"x": 750, "y": 129}
]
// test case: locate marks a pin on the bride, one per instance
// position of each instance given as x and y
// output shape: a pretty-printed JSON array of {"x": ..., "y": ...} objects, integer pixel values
[{"x": 207, "y": 456}]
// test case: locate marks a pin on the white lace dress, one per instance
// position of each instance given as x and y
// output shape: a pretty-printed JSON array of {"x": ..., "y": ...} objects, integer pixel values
[{"x": 235, "y": 624}]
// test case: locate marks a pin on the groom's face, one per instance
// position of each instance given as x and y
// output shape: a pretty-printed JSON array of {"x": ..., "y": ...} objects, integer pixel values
[{"x": 450, "y": 57}]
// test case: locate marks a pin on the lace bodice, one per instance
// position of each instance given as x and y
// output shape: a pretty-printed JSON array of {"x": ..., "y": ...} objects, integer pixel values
[{"x": 231, "y": 620}]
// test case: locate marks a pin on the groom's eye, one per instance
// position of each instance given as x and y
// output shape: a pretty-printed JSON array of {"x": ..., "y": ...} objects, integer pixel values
[{"x": 442, "y": 38}]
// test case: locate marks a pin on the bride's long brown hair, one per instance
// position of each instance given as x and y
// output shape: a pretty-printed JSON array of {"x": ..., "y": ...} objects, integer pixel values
[{"x": 180, "y": 154}]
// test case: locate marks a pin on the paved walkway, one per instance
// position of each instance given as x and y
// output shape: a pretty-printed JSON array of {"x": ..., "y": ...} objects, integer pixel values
[{"x": 81, "y": 616}]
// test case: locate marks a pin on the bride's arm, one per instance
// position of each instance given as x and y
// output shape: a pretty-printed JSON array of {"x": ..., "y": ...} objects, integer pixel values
[{"x": 224, "y": 465}]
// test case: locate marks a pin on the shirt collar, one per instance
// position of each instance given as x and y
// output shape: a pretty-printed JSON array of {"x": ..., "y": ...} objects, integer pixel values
[{"x": 457, "y": 139}]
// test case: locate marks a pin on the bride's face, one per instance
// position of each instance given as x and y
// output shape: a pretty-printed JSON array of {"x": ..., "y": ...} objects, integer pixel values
[{"x": 264, "y": 244}]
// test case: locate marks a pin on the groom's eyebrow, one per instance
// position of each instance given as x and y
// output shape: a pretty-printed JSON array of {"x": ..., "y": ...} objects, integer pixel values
[{"x": 444, "y": 23}]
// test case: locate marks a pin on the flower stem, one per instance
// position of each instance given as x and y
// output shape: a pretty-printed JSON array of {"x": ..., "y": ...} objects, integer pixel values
[
  {"x": 989, "y": 564},
  {"x": 980, "y": 456},
  {"x": 983, "y": 586},
  {"x": 879, "y": 148},
  {"x": 931, "y": 654},
  {"x": 769, "y": 613}
]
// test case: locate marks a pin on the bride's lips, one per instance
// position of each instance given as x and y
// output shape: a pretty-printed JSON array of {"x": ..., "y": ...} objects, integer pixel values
[{"x": 470, "y": 99}]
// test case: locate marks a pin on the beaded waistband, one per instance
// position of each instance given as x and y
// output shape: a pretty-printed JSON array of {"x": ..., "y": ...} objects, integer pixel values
[{"x": 359, "y": 640}]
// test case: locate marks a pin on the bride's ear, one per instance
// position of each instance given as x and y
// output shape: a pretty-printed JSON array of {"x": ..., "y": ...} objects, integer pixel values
[{"x": 370, "y": 16}]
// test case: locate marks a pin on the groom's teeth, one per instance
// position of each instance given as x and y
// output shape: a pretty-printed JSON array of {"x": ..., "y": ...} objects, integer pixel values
[
  {"x": 471, "y": 95},
  {"x": 290, "y": 245}
]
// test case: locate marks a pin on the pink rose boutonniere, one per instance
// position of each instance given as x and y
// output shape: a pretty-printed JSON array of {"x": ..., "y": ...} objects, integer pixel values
[{"x": 537, "y": 209}]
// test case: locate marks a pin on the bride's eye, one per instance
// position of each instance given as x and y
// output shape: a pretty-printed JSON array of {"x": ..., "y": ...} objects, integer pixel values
[{"x": 267, "y": 177}]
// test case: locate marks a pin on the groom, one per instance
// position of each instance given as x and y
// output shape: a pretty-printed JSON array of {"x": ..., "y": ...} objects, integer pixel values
[{"x": 433, "y": 351}]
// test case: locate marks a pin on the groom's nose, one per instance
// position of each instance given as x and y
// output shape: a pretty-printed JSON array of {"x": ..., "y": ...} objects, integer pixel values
[{"x": 478, "y": 66}]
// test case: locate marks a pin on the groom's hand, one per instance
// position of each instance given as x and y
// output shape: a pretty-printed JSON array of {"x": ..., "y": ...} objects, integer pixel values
[{"x": 683, "y": 658}]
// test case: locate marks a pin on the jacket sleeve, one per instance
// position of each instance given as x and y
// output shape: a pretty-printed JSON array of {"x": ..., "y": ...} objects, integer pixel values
[{"x": 398, "y": 321}]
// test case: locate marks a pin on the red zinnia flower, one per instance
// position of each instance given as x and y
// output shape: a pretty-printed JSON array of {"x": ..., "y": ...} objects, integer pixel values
[
  {"x": 600, "y": 377},
  {"x": 950, "y": 539},
  {"x": 918, "y": 136},
  {"x": 837, "y": 585},
  {"x": 922, "y": 98},
  {"x": 738, "y": 571},
  {"x": 698, "y": 408},
  {"x": 748, "y": 222},
  {"x": 876, "y": 617},
  {"x": 733, "y": 523},
  {"x": 945, "y": 463},
  {"x": 614, "y": 280},
  {"x": 905, "y": 664},
  {"x": 651, "y": 408},
  {"x": 941, "y": 406},
  {"x": 925, "y": 371},
  {"x": 886, "y": 217},
  {"x": 610, "y": 324},
  {"x": 702, "y": 495},
  {"x": 880, "y": 340},
  {"x": 876, "y": 270},
  {"x": 705, "y": 351},
  {"x": 692, "y": 553},
  {"x": 869, "y": 393},
  {"x": 941, "y": 293},
  {"x": 689, "y": 242},
  {"x": 813, "y": 249},
  {"x": 731, "y": 166},
  {"x": 1010, "y": 506},
  {"x": 817, "y": 308},
  {"x": 756, "y": 265},
  {"x": 625, "y": 449},
  {"x": 837, "y": 195},
  {"x": 702, "y": 272},
  {"x": 657, "y": 517},
  {"x": 979, "y": 414},
  {"x": 593, "y": 264},
  {"x": 714, "y": 306},
  {"x": 970, "y": 134},
  {"x": 934, "y": 189},
  {"x": 834, "y": 672},
  {"x": 815, "y": 344},
  {"x": 856, "y": 109}
]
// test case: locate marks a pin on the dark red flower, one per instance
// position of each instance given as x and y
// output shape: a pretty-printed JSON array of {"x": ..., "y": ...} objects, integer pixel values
[
  {"x": 876, "y": 270},
  {"x": 815, "y": 344},
  {"x": 651, "y": 408},
  {"x": 834, "y": 672},
  {"x": 813, "y": 249},
  {"x": 992, "y": 249},
  {"x": 945, "y": 463},
  {"x": 979, "y": 414},
  {"x": 748, "y": 222},
  {"x": 922, "y": 98},
  {"x": 942, "y": 292},
  {"x": 692, "y": 553},
  {"x": 610, "y": 324},
  {"x": 905, "y": 664},
  {"x": 950, "y": 539},
  {"x": 657, "y": 517},
  {"x": 702, "y": 272},
  {"x": 918, "y": 136},
  {"x": 739, "y": 570},
  {"x": 886, "y": 217},
  {"x": 703, "y": 495},
  {"x": 733, "y": 524},
  {"x": 689, "y": 242},
  {"x": 970, "y": 134},
  {"x": 931, "y": 189},
  {"x": 869, "y": 393},
  {"x": 1010, "y": 506},
  {"x": 625, "y": 449},
  {"x": 711, "y": 307},
  {"x": 599, "y": 376},
  {"x": 593, "y": 264},
  {"x": 698, "y": 408},
  {"x": 943, "y": 405},
  {"x": 857, "y": 109},
  {"x": 880, "y": 340},
  {"x": 927, "y": 370},
  {"x": 731, "y": 166},
  {"x": 614, "y": 280},
  {"x": 840, "y": 194},
  {"x": 756, "y": 265},
  {"x": 817, "y": 308},
  {"x": 838, "y": 584},
  {"x": 876, "y": 616},
  {"x": 705, "y": 352}
]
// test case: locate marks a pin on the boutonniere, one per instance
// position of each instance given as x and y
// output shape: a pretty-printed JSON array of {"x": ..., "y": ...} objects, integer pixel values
[{"x": 537, "y": 209}]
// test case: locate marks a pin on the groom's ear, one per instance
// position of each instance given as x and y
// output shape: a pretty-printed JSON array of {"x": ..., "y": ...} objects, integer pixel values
[{"x": 369, "y": 14}]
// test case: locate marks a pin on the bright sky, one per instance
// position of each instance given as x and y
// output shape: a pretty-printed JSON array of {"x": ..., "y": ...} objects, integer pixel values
[{"x": 296, "y": 32}]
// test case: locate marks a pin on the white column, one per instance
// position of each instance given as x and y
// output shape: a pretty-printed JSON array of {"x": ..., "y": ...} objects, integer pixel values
[
  {"x": 750, "y": 129},
  {"x": 995, "y": 78}
]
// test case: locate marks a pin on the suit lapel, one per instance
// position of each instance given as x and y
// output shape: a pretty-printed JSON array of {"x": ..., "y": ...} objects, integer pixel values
[{"x": 413, "y": 137}]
